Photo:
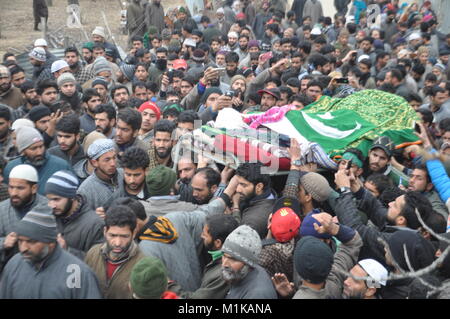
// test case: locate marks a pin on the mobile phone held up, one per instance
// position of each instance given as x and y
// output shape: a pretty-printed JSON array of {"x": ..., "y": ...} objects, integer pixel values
[
  {"x": 266, "y": 56},
  {"x": 221, "y": 71},
  {"x": 342, "y": 81}
]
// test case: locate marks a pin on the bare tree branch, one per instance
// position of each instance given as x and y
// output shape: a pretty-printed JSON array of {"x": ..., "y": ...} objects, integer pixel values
[{"x": 428, "y": 229}]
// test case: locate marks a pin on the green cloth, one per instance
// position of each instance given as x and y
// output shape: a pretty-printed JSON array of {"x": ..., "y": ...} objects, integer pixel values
[
  {"x": 355, "y": 160},
  {"x": 390, "y": 113},
  {"x": 215, "y": 254}
]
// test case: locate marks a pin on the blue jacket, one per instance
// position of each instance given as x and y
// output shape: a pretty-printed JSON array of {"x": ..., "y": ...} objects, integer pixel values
[
  {"x": 52, "y": 165},
  {"x": 439, "y": 178}
]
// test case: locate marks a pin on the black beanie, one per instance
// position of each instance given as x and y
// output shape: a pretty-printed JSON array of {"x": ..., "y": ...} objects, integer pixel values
[
  {"x": 313, "y": 259},
  {"x": 38, "y": 112},
  {"x": 420, "y": 251}
]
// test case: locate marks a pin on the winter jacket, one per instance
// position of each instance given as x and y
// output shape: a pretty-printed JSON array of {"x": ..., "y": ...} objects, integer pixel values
[
  {"x": 117, "y": 286},
  {"x": 181, "y": 256},
  {"x": 13, "y": 97},
  {"x": 51, "y": 165},
  {"x": 212, "y": 286},
  {"x": 257, "y": 213},
  {"x": 97, "y": 192},
  {"x": 61, "y": 276},
  {"x": 9, "y": 218},
  {"x": 161, "y": 207},
  {"x": 344, "y": 260},
  {"x": 72, "y": 160},
  {"x": 278, "y": 257},
  {"x": 154, "y": 16},
  {"x": 256, "y": 285},
  {"x": 83, "y": 229},
  {"x": 40, "y": 8}
]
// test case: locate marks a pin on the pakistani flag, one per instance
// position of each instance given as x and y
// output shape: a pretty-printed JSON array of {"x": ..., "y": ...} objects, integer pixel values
[{"x": 332, "y": 130}]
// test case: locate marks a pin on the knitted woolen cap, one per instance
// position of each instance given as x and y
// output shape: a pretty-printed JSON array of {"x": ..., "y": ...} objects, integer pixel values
[
  {"x": 313, "y": 259},
  {"x": 243, "y": 244},
  {"x": 316, "y": 185},
  {"x": 4, "y": 72},
  {"x": 101, "y": 65},
  {"x": 27, "y": 136},
  {"x": 62, "y": 183},
  {"x": 100, "y": 147},
  {"x": 38, "y": 224},
  {"x": 21, "y": 123},
  {"x": 38, "y": 112},
  {"x": 199, "y": 55},
  {"x": 148, "y": 278},
  {"x": 65, "y": 78},
  {"x": 128, "y": 70},
  {"x": 99, "y": 31},
  {"x": 39, "y": 54},
  {"x": 100, "y": 80},
  {"x": 160, "y": 180},
  {"x": 25, "y": 172},
  {"x": 91, "y": 138}
]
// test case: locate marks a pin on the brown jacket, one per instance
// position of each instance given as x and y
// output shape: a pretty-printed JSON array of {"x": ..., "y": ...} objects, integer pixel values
[
  {"x": 13, "y": 98},
  {"x": 117, "y": 286}
]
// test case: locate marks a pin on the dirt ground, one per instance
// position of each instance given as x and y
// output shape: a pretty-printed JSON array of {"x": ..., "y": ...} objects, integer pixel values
[{"x": 17, "y": 22}]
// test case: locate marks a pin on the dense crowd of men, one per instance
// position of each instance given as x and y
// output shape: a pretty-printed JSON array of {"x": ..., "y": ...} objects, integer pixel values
[{"x": 98, "y": 203}]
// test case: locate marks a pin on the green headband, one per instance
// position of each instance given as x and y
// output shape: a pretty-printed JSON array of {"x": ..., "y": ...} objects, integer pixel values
[{"x": 355, "y": 160}]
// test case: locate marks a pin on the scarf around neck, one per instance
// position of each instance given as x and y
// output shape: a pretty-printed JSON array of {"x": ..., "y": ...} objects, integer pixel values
[{"x": 159, "y": 229}]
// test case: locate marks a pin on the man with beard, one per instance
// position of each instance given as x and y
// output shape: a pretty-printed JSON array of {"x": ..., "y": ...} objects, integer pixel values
[
  {"x": 156, "y": 70},
  {"x": 68, "y": 136},
  {"x": 79, "y": 228},
  {"x": 150, "y": 115},
  {"x": 22, "y": 190},
  {"x": 30, "y": 145},
  {"x": 204, "y": 185},
  {"x": 134, "y": 163},
  {"x": 113, "y": 260},
  {"x": 242, "y": 51},
  {"x": 7, "y": 148},
  {"x": 99, "y": 37},
  {"x": 128, "y": 124},
  {"x": 379, "y": 161},
  {"x": 160, "y": 152},
  {"x": 256, "y": 197},
  {"x": 38, "y": 57},
  {"x": 91, "y": 99},
  {"x": 120, "y": 96},
  {"x": 31, "y": 99},
  {"x": 9, "y": 94},
  {"x": 68, "y": 92},
  {"x": 42, "y": 269},
  {"x": 72, "y": 57},
  {"x": 47, "y": 92},
  {"x": 240, "y": 267},
  {"x": 88, "y": 53},
  {"x": 105, "y": 120},
  {"x": 215, "y": 231},
  {"x": 18, "y": 76},
  {"x": 106, "y": 178},
  {"x": 232, "y": 41},
  {"x": 44, "y": 121},
  {"x": 232, "y": 62},
  {"x": 154, "y": 15},
  {"x": 437, "y": 104},
  {"x": 100, "y": 84}
]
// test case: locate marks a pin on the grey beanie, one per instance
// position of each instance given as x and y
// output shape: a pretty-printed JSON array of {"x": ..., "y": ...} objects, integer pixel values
[
  {"x": 101, "y": 65},
  {"x": 62, "y": 183},
  {"x": 100, "y": 147},
  {"x": 100, "y": 80},
  {"x": 38, "y": 224},
  {"x": 65, "y": 78},
  {"x": 243, "y": 244},
  {"x": 313, "y": 259},
  {"x": 128, "y": 70},
  {"x": 316, "y": 185},
  {"x": 27, "y": 136},
  {"x": 38, "y": 54}
]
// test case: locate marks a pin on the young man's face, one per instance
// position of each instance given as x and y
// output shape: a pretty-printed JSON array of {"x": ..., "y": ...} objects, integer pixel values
[
  {"x": 163, "y": 144},
  {"x": 149, "y": 119},
  {"x": 124, "y": 133},
  {"x": 185, "y": 88},
  {"x": 20, "y": 192},
  {"x": 141, "y": 93},
  {"x": 18, "y": 78},
  {"x": 87, "y": 55},
  {"x": 215, "y": 46},
  {"x": 68, "y": 89},
  {"x": 314, "y": 92},
  {"x": 141, "y": 73},
  {"x": 101, "y": 90},
  {"x": 107, "y": 163},
  {"x": 134, "y": 178},
  {"x": 186, "y": 170},
  {"x": 103, "y": 124},
  {"x": 138, "y": 45},
  {"x": 71, "y": 58},
  {"x": 49, "y": 96},
  {"x": 418, "y": 181},
  {"x": 66, "y": 141},
  {"x": 378, "y": 160},
  {"x": 200, "y": 190},
  {"x": 59, "y": 205},
  {"x": 220, "y": 60},
  {"x": 42, "y": 123}
]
